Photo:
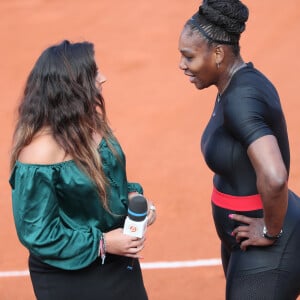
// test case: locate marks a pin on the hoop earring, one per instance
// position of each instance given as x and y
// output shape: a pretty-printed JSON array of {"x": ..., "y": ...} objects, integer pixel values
[{"x": 218, "y": 65}]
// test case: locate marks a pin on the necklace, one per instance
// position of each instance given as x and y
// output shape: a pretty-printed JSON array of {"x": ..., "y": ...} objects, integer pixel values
[{"x": 229, "y": 80}]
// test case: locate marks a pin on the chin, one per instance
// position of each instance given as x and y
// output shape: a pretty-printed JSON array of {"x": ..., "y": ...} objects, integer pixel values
[{"x": 199, "y": 86}]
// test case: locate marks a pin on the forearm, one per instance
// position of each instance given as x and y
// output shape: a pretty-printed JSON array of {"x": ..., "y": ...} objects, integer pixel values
[
  {"x": 272, "y": 180},
  {"x": 275, "y": 199}
]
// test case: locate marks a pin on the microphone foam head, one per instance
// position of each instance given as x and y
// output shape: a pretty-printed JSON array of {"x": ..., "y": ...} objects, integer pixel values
[{"x": 137, "y": 208}]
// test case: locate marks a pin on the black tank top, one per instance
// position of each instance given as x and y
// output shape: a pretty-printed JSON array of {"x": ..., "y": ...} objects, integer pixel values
[{"x": 249, "y": 109}]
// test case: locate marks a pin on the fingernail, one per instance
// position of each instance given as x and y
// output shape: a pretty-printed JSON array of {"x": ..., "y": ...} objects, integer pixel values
[{"x": 230, "y": 216}]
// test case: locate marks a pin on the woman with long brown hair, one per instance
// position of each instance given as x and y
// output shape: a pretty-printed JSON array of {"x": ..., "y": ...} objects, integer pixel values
[{"x": 69, "y": 187}]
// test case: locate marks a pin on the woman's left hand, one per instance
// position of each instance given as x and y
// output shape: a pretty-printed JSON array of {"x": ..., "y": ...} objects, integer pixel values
[
  {"x": 251, "y": 234},
  {"x": 151, "y": 213}
]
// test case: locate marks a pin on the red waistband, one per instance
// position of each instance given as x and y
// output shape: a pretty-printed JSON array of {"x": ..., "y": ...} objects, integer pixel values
[{"x": 239, "y": 203}]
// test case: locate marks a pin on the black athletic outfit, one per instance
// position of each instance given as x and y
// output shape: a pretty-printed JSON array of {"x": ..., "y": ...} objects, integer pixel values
[{"x": 249, "y": 109}]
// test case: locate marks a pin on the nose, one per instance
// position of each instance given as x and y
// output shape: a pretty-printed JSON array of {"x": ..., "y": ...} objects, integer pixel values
[
  {"x": 182, "y": 65},
  {"x": 100, "y": 78}
]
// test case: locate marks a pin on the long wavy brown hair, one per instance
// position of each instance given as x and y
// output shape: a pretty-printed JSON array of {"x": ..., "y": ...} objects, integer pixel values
[{"x": 61, "y": 94}]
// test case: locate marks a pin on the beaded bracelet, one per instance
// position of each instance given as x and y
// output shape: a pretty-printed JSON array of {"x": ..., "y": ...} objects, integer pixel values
[{"x": 102, "y": 248}]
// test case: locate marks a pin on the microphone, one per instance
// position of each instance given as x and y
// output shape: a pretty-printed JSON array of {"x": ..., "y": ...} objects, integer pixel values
[{"x": 136, "y": 220}]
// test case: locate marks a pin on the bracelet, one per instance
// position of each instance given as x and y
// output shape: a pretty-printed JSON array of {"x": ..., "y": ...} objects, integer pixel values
[
  {"x": 102, "y": 248},
  {"x": 271, "y": 237}
]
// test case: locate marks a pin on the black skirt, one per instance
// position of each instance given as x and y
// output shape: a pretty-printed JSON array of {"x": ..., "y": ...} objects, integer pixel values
[{"x": 118, "y": 278}]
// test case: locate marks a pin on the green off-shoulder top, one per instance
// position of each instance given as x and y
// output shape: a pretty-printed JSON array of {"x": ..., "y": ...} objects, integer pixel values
[{"x": 57, "y": 211}]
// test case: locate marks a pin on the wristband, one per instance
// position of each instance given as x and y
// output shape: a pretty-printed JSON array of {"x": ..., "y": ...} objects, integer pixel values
[{"x": 271, "y": 237}]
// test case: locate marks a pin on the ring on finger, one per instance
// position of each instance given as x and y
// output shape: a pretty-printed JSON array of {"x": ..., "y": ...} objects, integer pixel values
[{"x": 152, "y": 207}]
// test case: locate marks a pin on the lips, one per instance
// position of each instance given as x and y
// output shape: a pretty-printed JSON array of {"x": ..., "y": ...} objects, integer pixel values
[
  {"x": 188, "y": 74},
  {"x": 192, "y": 77}
]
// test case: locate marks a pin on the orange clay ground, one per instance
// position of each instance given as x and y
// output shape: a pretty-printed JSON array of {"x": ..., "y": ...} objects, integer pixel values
[{"x": 155, "y": 112}]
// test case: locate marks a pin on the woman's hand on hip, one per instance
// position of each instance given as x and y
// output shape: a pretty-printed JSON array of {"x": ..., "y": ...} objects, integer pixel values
[{"x": 250, "y": 234}]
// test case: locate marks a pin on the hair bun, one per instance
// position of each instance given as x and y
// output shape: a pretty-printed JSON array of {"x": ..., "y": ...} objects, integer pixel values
[{"x": 231, "y": 15}]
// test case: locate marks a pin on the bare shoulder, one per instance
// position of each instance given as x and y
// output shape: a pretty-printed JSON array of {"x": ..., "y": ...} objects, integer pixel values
[{"x": 43, "y": 150}]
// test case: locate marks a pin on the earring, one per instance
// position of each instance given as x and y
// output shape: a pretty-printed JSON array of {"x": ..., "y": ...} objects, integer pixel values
[{"x": 218, "y": 65}]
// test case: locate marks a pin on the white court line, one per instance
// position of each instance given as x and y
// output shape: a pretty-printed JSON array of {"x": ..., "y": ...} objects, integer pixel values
[
  {"x": 182, "y": 264},
  {"x": 146, "y": 266},
  {"x": 14, "y": 273}
]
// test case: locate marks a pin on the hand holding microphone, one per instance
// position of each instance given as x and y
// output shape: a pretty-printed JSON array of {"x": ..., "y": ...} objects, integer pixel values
[
  {"x": 129, "y": 241},
  {"x": 136, "y": 220}
]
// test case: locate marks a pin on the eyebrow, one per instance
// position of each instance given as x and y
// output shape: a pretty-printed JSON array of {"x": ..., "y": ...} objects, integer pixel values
[{"x": 186, "y": 51}]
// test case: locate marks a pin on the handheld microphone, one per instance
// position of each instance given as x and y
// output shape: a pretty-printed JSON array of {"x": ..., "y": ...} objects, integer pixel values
[{"x": 136, "y": 220}]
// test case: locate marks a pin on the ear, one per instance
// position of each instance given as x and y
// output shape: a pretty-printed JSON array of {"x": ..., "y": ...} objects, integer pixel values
[{"x": 219, "y": 54}]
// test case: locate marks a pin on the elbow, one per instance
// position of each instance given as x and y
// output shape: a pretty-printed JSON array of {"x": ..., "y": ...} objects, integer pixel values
[
  {"x": 279, "y": 185},
  {"x": 276, "y": 183}
]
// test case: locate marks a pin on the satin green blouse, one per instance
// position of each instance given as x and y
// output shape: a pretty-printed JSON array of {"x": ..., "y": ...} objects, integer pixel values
[{"x": 57, "y": 212}]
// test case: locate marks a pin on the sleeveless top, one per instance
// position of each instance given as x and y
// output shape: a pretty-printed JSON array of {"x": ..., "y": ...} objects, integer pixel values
[{"x": 57, "y": 211}]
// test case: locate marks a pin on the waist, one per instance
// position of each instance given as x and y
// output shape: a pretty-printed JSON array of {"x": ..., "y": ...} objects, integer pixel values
[
  {"x": 36, "y": 264},
  {"x": 238, "y": 203}
]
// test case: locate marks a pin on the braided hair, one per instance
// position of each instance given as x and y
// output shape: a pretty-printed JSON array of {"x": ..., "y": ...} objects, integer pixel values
[{"x": 220, "y": 22}]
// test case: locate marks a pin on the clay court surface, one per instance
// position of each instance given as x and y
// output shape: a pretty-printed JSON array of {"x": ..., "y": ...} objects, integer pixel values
[{"x": 157, "y": 115}]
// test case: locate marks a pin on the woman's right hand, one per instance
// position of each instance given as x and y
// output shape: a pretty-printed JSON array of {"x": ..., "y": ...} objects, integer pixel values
[{"x": 116, "y": 242}]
